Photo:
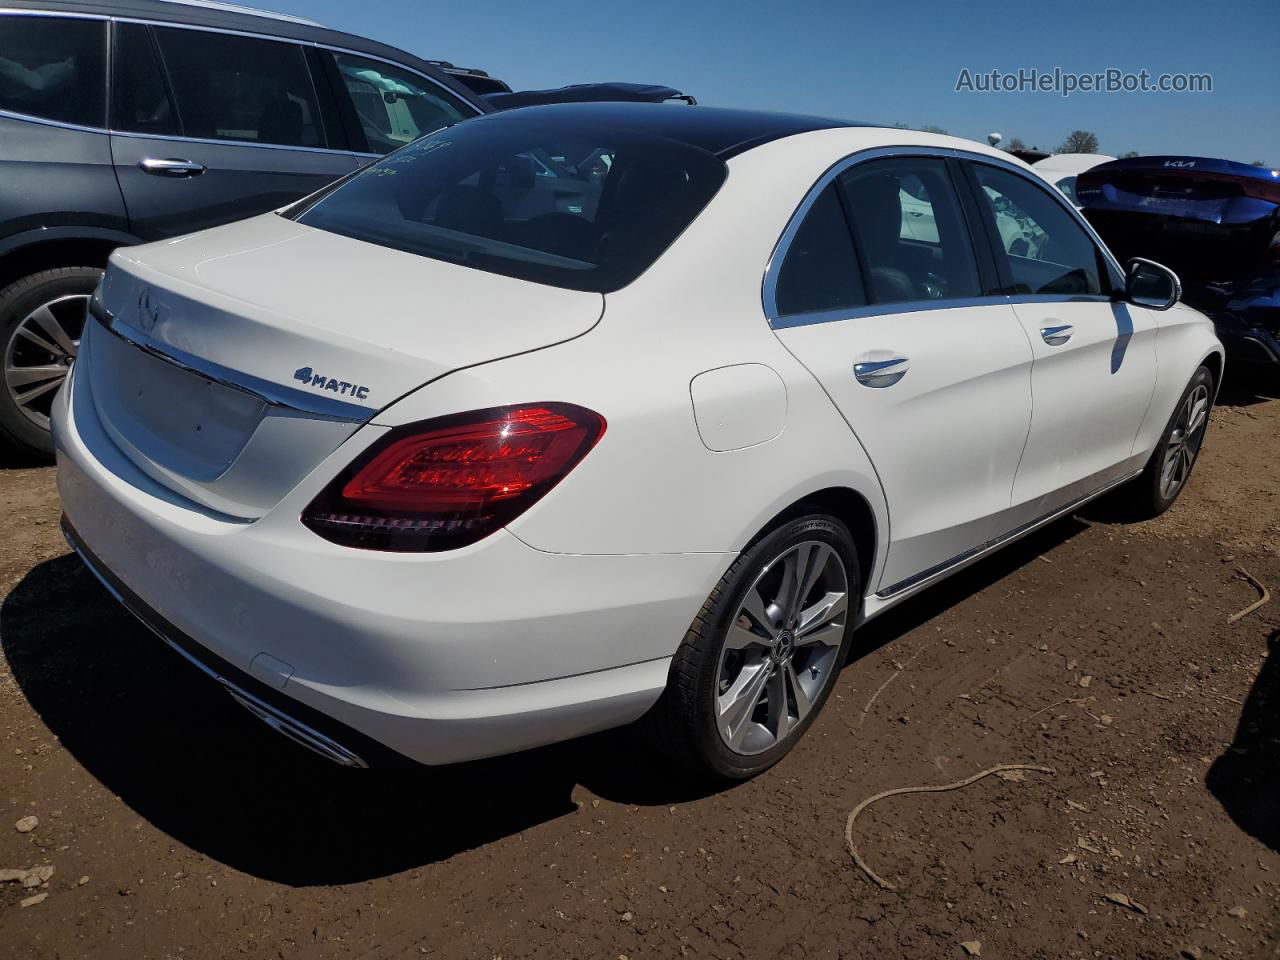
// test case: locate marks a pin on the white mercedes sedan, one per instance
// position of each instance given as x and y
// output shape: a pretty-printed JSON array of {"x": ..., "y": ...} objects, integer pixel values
[
  {"x": 1061, "y": 169},
  {"x": 565, "y": 417}
]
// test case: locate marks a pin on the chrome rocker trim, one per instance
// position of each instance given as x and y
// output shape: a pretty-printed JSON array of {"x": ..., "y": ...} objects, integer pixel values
[{"x": 935, "y": 572}]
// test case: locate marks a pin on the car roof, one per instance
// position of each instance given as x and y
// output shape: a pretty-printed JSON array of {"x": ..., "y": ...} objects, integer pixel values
[
  {"x": 235, "y": 18},
  {"x": 1068, "y": 163},
  {"x": 717, "y": 130}
]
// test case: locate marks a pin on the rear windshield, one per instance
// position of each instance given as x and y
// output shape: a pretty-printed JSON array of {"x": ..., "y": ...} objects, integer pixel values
[{"x": 552, "y": 201}]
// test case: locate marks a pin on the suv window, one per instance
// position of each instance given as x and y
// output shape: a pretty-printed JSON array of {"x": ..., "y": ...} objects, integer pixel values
[
  {"x": 910, "y": 231},
  {"x": 1045, "y": 249},
  {"x": 393, "y": 105},
  {"x": 54, "y": 69},
  {"x": 493, "y": 195},
  {"x": 140, "y": 101},
  {"x": 820, "y": 271},
  {"x": 241, "y": 88}
]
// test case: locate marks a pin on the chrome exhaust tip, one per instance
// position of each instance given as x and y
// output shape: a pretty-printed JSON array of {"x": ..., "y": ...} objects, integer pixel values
[
  {"x": 276, "y": 719},
  {"x": 295, "y": 730}
]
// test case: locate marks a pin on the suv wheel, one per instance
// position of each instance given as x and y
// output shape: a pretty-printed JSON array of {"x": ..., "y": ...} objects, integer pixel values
[{"x": 41, "y": 319}]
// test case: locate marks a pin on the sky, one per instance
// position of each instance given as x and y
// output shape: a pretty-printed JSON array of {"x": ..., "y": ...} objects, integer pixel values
[{"x": 889, "y": 62}]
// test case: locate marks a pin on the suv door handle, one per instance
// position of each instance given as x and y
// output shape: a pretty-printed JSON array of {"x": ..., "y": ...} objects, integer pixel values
[
  {"x": 171, "y": 167},
  {"x": 881, "y": 373},
  {"x": 1056, "y": 336}
]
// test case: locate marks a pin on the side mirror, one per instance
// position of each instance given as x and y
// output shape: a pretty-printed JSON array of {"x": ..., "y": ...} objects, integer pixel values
[{"x": 1151, "y": 284}]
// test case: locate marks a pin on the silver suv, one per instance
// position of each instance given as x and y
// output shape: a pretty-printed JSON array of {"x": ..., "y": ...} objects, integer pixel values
[{"x": 135, "y": 120}]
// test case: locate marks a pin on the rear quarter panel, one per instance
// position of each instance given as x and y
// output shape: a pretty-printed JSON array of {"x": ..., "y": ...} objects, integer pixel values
[{"x": 651, "y": 485}]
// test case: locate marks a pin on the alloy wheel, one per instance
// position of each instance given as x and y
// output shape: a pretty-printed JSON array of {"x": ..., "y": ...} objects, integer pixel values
[
  {"x": 40, "y": 352},
  {"x": 780, "y": 650},
  {"x": 1184, "y": 442}
]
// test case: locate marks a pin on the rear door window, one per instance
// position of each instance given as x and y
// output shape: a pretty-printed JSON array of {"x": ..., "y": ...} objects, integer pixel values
[
  {"x": 230, "y": 87},
  {"x": 820, "y": 272},
  {"x": 140, "y": 100},
  {"x": 54, "y": 68},
  {"x": 393, "y": 105},
  {"x": 910, "y": 230}
]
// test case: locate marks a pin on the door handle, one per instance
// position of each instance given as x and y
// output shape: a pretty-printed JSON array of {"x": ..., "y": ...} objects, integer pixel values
[
  {"x": 881, "y": 373},
  {"x": 1057, "y": 335},
  {"x": 171, "y": 167}
]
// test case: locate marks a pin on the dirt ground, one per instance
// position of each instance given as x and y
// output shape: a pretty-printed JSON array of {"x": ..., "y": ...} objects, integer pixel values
[{"x": 178, "y": 826}]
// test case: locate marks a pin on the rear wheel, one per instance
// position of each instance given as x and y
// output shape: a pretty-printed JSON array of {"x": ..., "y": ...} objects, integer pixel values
[
  {"x": 760, "y": 659},
  {"x": 1167, "y": 472},
  {"x": 41, "y": 319}
]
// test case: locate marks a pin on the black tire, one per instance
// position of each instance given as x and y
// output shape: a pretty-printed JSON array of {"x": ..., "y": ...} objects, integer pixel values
[
  {"x": 21, "y": 428},
  {"x": 1147, "y": 495},
  {"x": 683, "y": 724}
]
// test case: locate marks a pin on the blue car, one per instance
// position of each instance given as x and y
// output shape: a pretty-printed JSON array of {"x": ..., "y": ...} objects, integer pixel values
[{"x": 1216, "y": 223}]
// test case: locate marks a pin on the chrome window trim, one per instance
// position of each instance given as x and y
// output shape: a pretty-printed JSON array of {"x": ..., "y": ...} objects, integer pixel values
[
  {"x": 252, "y": 34},
  {"x": 174, "y": 138},
  {"x": 4, "y": 11},
  {"x": 170, "y": 137},
  {"x": 779, "y": 321},
  {"x": 1059, "y": 298},
  {"x": 879, "y": 309},
  {"x": 918, "y": 306},
  {"x": 53, "y": 13},
  {"x": 272, "y": 394},
  {"x": 28, "y": 118}
]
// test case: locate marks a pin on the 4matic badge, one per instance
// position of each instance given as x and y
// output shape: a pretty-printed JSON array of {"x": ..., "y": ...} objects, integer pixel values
[{"x": 321, "y": 382}]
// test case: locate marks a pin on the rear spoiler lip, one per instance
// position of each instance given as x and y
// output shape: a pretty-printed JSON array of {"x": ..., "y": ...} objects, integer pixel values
[{"x": 1188, "y": 166}]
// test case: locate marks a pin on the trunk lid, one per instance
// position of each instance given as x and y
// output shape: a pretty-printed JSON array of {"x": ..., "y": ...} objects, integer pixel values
[{"x": 244, "y": 355}]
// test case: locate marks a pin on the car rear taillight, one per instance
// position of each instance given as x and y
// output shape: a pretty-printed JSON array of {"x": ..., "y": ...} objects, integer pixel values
[
  {"x": 445, "y": 483},
  {"x": 1268, "y": 190}
]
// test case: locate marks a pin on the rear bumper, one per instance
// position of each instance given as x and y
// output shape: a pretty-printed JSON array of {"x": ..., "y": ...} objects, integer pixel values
[
  {"x": 1253, "y": 346},
  {"x": 441, "y": 658},
  {"x": 295, "y": 720}
]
